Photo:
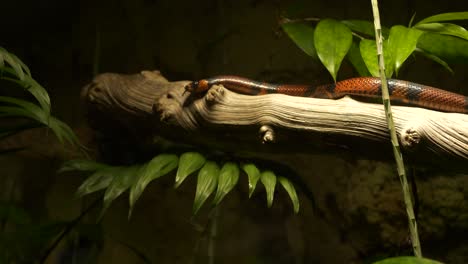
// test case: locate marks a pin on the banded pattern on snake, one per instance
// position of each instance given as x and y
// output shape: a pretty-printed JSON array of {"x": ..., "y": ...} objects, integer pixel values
[{"x": 400, "y": 91}]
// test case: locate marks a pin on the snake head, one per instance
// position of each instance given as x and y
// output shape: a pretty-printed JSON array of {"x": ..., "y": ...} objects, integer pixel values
[{"x": 197, "y": 86}]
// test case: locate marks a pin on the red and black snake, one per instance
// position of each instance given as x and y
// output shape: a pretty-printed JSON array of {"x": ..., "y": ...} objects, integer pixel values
[{"x": 400, "y": 91}]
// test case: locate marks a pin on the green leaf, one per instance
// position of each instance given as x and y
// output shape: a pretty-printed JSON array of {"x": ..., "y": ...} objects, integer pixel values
[
  {"x": 23, "y": 109},
  {"x": 354, "y": 56},
  {"x": 402, "y": 42},
  {"x": 122, "y": 180},
  {"x": 363, "y": 26},
  {"x": 407, "y": 260},
  {"x": 13, "y": 63},
  {"x": 268, "y": 179},
  {"x": 303, "y": 35},
  {"x": 412, "y": 20},
  {"x": 63, "y": 132},
  {"x": 98, "y": 181},
  {"x": 155, "y": 168},
  {"x": 332, "y": 41},
  {"x": 450, "y": 49},
  {"x": 369, "y": 55},
  {"x": 32, "y": 87},
  {"x": 253, "y": 174},
  {"x": 39, "y": 93},
  {"x": 445, "y": 17},
  {"x": 82, "y": 165},
  {"x": 228, "y": 178},
  {"x": 21, "y": 63},
  {"x": 206, "y": 184},
  {"x": 189, "y": 162},
  {"x": 436, "y": 59},
  {"x": 445, "y": 29},
  {"x": 289, "y": 187}
]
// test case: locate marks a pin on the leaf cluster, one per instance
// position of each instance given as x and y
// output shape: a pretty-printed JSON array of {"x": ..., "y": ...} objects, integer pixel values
[
  {"x": 331, "y": 41},
  {"x": 212, "y": 178},
  {"x": 36, "y": 114}
]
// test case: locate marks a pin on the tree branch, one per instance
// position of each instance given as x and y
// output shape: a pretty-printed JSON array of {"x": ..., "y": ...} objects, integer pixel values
[{"x": 148, "y": 105}]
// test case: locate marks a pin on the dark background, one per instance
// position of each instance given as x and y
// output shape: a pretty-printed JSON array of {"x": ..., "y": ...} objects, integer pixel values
[{"x": 59, "y": 41}]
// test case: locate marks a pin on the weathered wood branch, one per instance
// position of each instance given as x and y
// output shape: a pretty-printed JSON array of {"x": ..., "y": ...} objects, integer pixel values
[{"x": 148, "y": 105}]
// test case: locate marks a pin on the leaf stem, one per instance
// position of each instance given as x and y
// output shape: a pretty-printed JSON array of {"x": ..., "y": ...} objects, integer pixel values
[
  {"x": 212, "y": 235},
  {"x": 67, "y": 230},
  {"x": 284, "y": 20}
]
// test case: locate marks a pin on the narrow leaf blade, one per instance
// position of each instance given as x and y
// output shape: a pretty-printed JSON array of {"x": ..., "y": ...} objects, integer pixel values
[
  {"x": 34, "y": 111},
  {"x": 97, "y": 181},
  {"x": 82, "y": 165},
  {"x": 303, "y": 35},
  {"x": 268, "y": 179},
  {"x": 13, "y": 63},
  {"x": 21, "y": 63},
  {"x": 436, "y": 59},
  {"x": 332, "y": 41},
  {"x": 189, "y": 162},
  {"x": 450, "y": 49},
  {"x": 445, "y": 29},
  {"x": 289, "y": 187},
  {"x": 445, "y": 17},
  {"x": 155, "y": 168},
  {"x": 206, "y": 184},
  {"x": 63, "y": 132},
  {"x": 122, "y": 180},
  {"x": 39, "y": 93},
  {"x": 253, "y": 173},
  {"x": 31, "y": 86},
  {"x": 228, "y": 178}
]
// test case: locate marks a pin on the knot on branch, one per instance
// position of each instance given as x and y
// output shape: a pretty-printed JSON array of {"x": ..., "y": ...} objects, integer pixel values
[
  {"x": 410, "y": 137},
  {"x": 167, "y": 106},
  {"x": 267, "y": 134},
  {"x": 97, "y": 94},
  {"x": 214, "y": 94}
]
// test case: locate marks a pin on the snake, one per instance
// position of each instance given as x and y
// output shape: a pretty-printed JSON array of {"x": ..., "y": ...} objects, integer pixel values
[{"x": 400, "y": 91}]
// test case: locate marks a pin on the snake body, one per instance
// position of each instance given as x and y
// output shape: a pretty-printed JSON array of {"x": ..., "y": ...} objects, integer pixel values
[{"x": 400, "y": 91}]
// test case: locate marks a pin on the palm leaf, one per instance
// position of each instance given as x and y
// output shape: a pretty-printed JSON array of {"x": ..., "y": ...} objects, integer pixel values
[{"x": 30, "y": 85}]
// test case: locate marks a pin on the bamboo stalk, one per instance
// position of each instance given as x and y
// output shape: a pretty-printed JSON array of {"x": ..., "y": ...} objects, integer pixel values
[{"x": 396, "y": 148}]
